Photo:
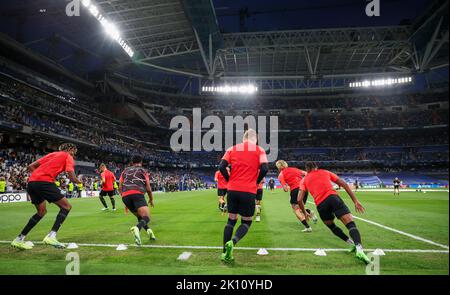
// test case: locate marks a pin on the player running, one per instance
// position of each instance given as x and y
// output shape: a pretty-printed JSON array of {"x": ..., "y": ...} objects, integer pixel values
[
  {"x": 107, "y": 180},
  {"x": 41, "y": 188},
  {"x": 133, "y": 184},
  {"x": 221, "y": 190},
  {"x": 396, "y": 183},
  {"x": 330, "y": 205},
  {"x": 259, "y": 196},
  {"x": 290, "y": 179},
  {"x": 246, "y": 160}
]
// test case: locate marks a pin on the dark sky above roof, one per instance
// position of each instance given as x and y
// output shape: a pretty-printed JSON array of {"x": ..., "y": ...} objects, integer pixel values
[{"x": 306, "y": 14}]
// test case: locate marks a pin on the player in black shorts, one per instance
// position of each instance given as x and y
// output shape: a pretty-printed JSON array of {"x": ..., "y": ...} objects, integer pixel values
[
  {"x": 330, "y": 206},
  {"x": 133, "y": 184},
  {"x": 272, "y": 185},
  {"x": 397, "y": 183},
  {"x": 356, "y": 184}
]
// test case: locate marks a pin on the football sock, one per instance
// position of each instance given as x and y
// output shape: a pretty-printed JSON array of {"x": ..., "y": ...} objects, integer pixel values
[
  {"x": 338, "y": 232},
  {"x": 31, "y": 223},
  {"x": 113, "y": 202},
  {"x": 103, "y": 202},
  {"x": 228, "y": 231},
  {"x": 60, "y": 219},
  {"x": 242, "y": 230},
  {"x": 143, "y": 222},
  {"x": 354, "y": 232},
  {"x": 305, "y": 223}
]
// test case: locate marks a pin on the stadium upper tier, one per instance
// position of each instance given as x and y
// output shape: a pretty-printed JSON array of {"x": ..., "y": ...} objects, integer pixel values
[{"x": 399, "y": 125}]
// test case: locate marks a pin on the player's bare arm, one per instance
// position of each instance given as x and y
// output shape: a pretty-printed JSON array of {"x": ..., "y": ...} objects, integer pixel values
[
  {"x": 149, "y": 193},
  {"x": 33, "y": 166},
  {"x": 358, "y": 206},
  {"x": 73, "y": 177}
]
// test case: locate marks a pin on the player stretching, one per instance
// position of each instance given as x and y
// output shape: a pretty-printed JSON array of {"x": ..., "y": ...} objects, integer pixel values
[
  {"x": 259, "y": 196},
  {"x": 41, "y": 187},
  {"x": 107, "y": 179},
  {"x": 133, "y": 184},
  {"x": 246, "y": 159},
  {"x": 397, "y": 183},
  {"x": 221, "y": 190},
  {"x": 329, "y": 205},
  {"x": 290, "y": 179}
]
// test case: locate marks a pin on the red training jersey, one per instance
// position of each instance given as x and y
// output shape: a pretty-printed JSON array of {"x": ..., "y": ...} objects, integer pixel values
[
  {"x": 51, "y": 166},
  {"x": 292, "y": 177},
  {"x": 245, "y": 159},
  {"x": 108, "y": 179},
  {"x": 318, "y": 184},
  {"x": 221, "y": 181}
]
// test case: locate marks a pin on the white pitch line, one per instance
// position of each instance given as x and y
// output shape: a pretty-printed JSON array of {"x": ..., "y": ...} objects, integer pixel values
[
  {"x": 399, "y": 231},
  {"x": 402, "y": 232},
  {"x": 253, "y": 248}
]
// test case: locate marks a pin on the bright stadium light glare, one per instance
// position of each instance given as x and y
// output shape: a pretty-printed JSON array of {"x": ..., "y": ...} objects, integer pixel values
[
  {"x": 232, "y": 89},
  {"x": 381, "y": 82},
  {"x": 110, "y": 28}
]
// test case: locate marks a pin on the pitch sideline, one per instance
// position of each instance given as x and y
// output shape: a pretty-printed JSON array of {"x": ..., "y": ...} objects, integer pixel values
[{"x": 252, "y": 248}]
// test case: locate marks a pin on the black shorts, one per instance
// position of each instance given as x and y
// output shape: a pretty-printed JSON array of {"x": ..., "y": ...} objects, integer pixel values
[
  {"x": 259, "y": 194},
  {"x": 396, "y": 186},
  {"x": 40, "y": 191},
  {"x": 221, "y": 192},
  {"x": 134, "y": 202},
  {"x": 241, "y": 203},
  {"x": 106, "y": 193},
  {"x": 271, "y": 186},
  {"x": 294, "y": 197},
  {"x": 331, "y": 207}
]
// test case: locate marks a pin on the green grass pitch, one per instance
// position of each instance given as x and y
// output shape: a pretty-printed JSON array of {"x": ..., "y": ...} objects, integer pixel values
[{"x": 192, "y": 219}]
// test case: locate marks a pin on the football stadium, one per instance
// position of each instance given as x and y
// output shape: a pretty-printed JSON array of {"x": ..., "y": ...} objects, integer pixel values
[{"x": 213, "y": 137}]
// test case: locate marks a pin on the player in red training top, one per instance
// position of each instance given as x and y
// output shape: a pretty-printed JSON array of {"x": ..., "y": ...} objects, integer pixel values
[
  {"x": 290, "y": 179},
  {"x": 41, "y": 188},
  {"x": 222, "y": 184},
  {"x": 249, "y": 166},
  {"x": 107, "y": 181},
  {"x": 259, "y": 197},
  {"x": 319, "y": 184},
  {"x": 133, "y": 184}
]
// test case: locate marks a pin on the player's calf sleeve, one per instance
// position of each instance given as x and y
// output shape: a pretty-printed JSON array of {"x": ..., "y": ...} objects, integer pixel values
[
  {"x": 113, "y": 202},
  {"x": 103, "y": 201},
  {"x": 354, "y": 232},
  {"x": 143, "y": 221},
  {"x": 242, "y": 230},
  {"x": 145, "y": 227},
  {"x": 31, "y": 223},
  {"x": 60, "y": 219},
  {"x": 228, "y": 231},
  {"x": 338, "y": 232}
]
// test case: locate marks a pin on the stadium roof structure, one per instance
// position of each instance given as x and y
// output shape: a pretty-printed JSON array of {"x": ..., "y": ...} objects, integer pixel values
[{"x": 180, "y": 41}]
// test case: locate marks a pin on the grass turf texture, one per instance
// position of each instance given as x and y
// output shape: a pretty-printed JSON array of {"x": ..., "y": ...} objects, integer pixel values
[{"x": 192, "y": 218}]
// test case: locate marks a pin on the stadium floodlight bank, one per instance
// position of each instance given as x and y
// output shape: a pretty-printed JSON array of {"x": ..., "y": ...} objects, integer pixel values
[
  {"x": 110, "y": 28},
  {"x": 229, "y": 89},
  {"x": 381, "y": 82}
]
